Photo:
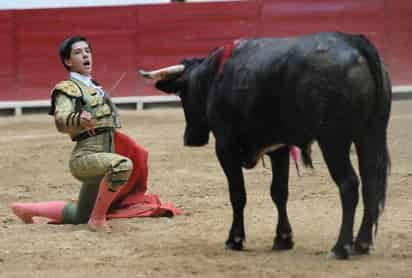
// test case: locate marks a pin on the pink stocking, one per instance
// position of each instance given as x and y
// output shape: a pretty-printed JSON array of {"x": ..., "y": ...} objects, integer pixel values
[{"x": 26, "y": 211}]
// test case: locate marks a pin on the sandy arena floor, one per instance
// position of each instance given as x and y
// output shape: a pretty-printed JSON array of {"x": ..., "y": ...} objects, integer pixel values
[{"x": 34, "y": 168}]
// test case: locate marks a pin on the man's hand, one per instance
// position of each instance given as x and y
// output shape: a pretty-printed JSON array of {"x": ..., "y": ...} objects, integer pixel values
[{"x": 86, "y": 120}]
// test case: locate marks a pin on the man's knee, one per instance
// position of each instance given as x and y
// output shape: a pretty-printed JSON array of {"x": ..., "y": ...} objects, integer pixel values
[
  {"x": 120, "y": 172},
  {"x": 73, "y": 215}
]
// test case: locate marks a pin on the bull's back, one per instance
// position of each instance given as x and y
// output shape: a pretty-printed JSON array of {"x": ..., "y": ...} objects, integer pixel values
[
  {"x": 317, "y": 83},
  {"x": 332, "y": 83}
]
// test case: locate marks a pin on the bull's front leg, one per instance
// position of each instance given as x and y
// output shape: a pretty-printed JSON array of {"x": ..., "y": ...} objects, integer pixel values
[
  {"x": 230, "y": 160},
  {"x": 280, "y": 192}
]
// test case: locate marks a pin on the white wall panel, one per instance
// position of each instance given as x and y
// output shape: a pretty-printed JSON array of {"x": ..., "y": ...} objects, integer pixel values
[{"x": 40, "y": 4}]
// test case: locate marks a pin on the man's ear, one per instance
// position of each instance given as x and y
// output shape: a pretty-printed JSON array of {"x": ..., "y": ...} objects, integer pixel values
[{"x": 68, "y": 62}]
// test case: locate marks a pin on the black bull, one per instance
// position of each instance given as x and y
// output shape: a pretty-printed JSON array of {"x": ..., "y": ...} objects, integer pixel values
[{"x": 273, "y": 93}]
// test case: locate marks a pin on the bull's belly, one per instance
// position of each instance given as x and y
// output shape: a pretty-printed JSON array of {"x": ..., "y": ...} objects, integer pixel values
[{"x": 253, "y": 159}]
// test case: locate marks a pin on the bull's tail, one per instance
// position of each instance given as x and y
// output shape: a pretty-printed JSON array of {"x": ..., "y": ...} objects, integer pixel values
[
  {"x": 374, "y": 161},
  {"x": 383, "y": 88}
]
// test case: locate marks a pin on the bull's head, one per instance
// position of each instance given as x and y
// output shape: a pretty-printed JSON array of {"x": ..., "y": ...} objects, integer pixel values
[{"x": 187, "y": 81}]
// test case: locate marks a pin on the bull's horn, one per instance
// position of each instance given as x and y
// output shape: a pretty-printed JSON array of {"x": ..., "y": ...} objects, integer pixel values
[{"x": 162, "y": 73}]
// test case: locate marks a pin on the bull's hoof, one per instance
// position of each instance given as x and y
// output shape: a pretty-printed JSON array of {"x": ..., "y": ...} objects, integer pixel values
[
  {"x": 361, "y": 248},
  {"x": 283, "y": 242},
  {"x": 235, "y": 244},
  {"x": 340, "y": 253}
]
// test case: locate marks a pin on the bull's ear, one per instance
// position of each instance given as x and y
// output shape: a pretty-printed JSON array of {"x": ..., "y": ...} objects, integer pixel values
[{"x": 170, "y": 86}]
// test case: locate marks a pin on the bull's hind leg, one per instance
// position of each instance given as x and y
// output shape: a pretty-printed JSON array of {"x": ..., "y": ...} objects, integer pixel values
[
  {"x": 279, "y": 192},
  {"x": 373, "y": 166},
  {"x": 336, "y": 155}
]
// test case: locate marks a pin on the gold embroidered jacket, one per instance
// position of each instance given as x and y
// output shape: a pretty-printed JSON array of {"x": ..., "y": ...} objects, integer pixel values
[{"x": 70, "y": 97}]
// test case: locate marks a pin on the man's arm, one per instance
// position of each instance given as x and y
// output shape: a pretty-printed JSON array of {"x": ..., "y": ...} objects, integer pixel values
[{"x": 67, "y": 120}]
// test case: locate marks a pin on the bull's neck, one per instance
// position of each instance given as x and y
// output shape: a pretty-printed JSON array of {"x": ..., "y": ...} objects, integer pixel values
[{"x": 227, "y": 53}]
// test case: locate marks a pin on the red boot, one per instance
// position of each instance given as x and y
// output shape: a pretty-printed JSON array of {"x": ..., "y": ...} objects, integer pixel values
[
  {"x": 105, "y": 197},
  {"x": 51, "y": 210}
]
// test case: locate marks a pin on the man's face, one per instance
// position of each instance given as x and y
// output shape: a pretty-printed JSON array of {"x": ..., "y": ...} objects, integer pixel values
[{"x": 80, "y": 60}]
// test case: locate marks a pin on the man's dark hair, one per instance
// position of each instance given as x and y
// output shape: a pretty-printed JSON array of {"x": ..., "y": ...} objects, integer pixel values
[{"x": 66, "y": 48}]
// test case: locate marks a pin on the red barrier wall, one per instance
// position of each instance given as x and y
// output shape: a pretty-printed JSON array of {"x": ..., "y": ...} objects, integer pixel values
[
  {"x": 38, "y": 34},
  {"x": 398, "y": 35},
  {"x": 294, "y": 17},
  {"x": 148, "y": 36},
  {"x": 7, "y": 56},
  {"x": 167, "y": 33}
]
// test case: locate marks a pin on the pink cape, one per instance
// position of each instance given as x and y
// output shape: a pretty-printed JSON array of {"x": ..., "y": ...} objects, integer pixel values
[{"x": 132, "y": 200}]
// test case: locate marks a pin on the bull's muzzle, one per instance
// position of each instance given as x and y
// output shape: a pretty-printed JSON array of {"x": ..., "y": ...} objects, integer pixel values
[{"x": 195, "y": 138}]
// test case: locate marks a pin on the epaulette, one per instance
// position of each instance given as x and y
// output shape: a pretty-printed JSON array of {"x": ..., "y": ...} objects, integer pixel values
[{"x": 68, "y": 87}]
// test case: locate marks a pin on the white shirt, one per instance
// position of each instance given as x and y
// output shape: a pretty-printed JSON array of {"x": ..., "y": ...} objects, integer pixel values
[{"x": 86, "y": 80}]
